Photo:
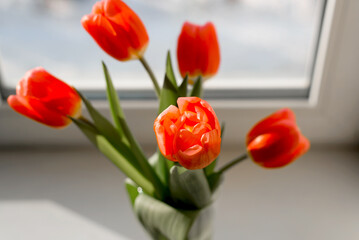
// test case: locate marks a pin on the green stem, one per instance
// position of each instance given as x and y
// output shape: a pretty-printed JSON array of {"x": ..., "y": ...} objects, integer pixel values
[
  {"x": 233, "y": 162},
  {"x": 152, "y": 76}
]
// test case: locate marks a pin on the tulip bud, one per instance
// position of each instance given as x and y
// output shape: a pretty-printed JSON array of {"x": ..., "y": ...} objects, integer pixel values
[
  {"x": 45, "y": 99},
  {"x": 276, "y": 140},
  {"x": 117, "y": 30},
  {"x": 189, "y": 134},
  {"x": 198, "y": 51}
]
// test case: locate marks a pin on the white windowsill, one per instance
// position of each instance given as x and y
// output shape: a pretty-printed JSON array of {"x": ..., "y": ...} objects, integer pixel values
[{"x": 314, "y": 197}]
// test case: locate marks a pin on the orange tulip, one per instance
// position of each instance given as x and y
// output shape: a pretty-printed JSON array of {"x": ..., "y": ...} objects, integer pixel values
[
  {"x": 198, "y": 51},
  {"x": 117, "y": 29},
  {"x": 189, "y": 134},
  {"x": 276, "y": 140},
  {"x": 46, "y": 99}
]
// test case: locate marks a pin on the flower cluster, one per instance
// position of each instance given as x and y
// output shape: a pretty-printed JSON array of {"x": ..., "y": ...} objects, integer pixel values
[
  {"x": 189, "y": 134},
  {"x": 187, "y": 129}
]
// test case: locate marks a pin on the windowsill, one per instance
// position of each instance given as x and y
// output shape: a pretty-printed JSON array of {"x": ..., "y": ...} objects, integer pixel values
[{"x": 307, "y": 199}]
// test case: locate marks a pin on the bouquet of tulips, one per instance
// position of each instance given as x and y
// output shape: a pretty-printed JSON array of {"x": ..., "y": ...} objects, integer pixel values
[{"x": 171, "y": 192}]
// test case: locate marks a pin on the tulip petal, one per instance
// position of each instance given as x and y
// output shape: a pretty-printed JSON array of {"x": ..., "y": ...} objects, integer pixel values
[
  {"x": 187, "y": 103},
  {"x": 21, "y": 105},
  {"x": 193, "y": 157},
  {"x": 107, "y": 36},
  {"x": 185, "y": 139},
  {"x": 98, "y": 8},
  {"x": 286, "y": 159},
  {"x": 198, "y": 51},
  {"x": 201, "y": 114},
  {"x": 165, "y": 127},
  {"x": 211, "y": 141},
  {"x": 280, "y": 139},
  {"x": 164, "y": 142},
  {"x": 211, "y": 115},
  {"x": 53, "y": 93},
  {"x": 40, "y": 84},
  {"x": 171, "y": 112},
  {"x": 201, "y": 128},
  {"x": 187, "y": 50},
  {"x": 117, "y": 30},
  {"x": 208, "y": 50},
  {"x": 35, "y": 109},
  {"x": 120, "y": 14},
  {"x": 262, "y": 126}
]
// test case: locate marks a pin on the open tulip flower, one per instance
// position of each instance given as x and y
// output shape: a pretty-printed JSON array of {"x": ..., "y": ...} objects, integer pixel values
[
  {"x": 45, "y": 99},
  {"x": 276, "y": 140},
  {"x": 198, "y": 51},
  {"x": 189, "y": 134},
  {"x": 117, "y": 30}
]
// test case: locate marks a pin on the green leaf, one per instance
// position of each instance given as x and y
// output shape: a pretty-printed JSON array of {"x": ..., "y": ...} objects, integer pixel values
[
  {"x": 161, "y": 219},
  {"x": 132, "y": 190},
  {"x": 189, "y": 187},
  {"x": 169, "y": 95},
  {"x": 202, "y": 226},
  {"x": 169, "y": 70},
  {"x": 115, "y": 156},
  {"x": 87, "y": 128},
  {"x": 120, "y": 161},
  {"x": 182, "y": 90},
  {"x": 115, "y": 107},
  {"x": 133, "y": 152},
  {"x": 197, "y": 88},
  {"x": 169, "y": 92},
  {"x": 169, "y": 164},
  {"x": 153, "y": 160},
  {"x": 210, "y": 168},
  {"x": 158, "y": 163},
  {"x": 127, "y": 137},
  {"x": 165, "y": 222},
  {"x": 107, "y": 130},
  {"x": 102, "y": 124},
  {"x": 214, "y": 180},
  {"x": 158, "y": 178}
]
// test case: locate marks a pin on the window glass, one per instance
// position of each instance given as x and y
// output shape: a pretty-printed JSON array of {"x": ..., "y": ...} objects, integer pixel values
[{"x": 265, "y": 44}]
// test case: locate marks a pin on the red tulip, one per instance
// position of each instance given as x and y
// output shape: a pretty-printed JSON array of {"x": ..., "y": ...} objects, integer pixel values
[
  {"x": 189, "y": 134},
  {"x": 46, "y": 99},
  {"x": 198, "y": 51},
  {"x": 276, "y": 140},
  {"x": 116, "y": 29}
]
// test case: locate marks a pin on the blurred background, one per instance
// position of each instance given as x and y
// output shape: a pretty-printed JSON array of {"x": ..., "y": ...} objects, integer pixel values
[
  {"x": 274, "y": 54},
  {"x": 260, "y": 40}
]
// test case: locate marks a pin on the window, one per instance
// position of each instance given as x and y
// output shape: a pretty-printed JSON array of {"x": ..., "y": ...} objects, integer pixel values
[
  {"x": 327, "y": 117},
  {"x": 268, "y": 47}
]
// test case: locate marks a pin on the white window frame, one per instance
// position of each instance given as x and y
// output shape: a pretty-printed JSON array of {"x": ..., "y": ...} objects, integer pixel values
[{"x": 329, "y": 116}]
